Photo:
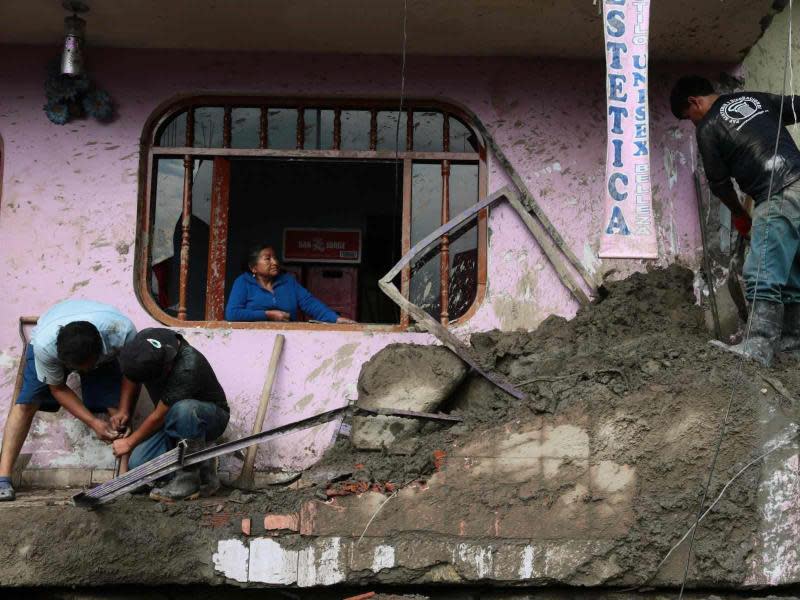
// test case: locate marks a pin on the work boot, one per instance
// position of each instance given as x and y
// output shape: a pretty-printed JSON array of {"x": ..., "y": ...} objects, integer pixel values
[
  {"x": 209, "y": 481},
  {"x": 184, "y": 486},
  {"x": 765, "y": 331},
  {"x": 790, "y": 338}
]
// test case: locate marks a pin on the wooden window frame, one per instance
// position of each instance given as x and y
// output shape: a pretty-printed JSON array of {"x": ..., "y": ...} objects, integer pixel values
[{"x": 218, "y": 234}]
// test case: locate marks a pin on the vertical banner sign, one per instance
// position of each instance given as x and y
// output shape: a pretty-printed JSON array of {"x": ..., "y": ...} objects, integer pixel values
[{"x": 628, "y": 224}]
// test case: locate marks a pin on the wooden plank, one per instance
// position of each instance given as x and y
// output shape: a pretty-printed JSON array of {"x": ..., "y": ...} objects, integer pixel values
[
  {"x": 549, "y": 248},
  {"x": 218, "y": 239},
  {"x": 531, "y": 205}
]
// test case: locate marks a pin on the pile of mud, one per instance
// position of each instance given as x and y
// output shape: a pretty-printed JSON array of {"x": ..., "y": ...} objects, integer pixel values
[
  {"x": 634, "y": 369},
  {"x": 633, "y": 372},
  {"x": 645, "y": 332}
]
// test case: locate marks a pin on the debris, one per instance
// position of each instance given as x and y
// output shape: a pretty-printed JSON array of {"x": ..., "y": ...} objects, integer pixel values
[
  {"x": 438, "y": 459},
  {"x": 444, "y": 335},
  {"x": 239, "y": 497},
  {"x": 402, "y": 378},
  {"x": 779, "y": 387},
  {"x": 275, "y": 477}
]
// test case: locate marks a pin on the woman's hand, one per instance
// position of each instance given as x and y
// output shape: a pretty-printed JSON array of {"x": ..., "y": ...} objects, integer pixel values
[
  {"x": 345, "y": 320},
  {"x": 277, "y": 315}
]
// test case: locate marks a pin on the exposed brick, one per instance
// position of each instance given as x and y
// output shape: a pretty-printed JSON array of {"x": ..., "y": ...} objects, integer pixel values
[
  {"x": 289, "y": 522},
  {"x": 438, "y": 458},
  {"x": 246, "y": 525}
]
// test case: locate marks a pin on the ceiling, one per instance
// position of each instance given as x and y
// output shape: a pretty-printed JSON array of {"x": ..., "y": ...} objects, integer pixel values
[{"x": 706, "y": 30}]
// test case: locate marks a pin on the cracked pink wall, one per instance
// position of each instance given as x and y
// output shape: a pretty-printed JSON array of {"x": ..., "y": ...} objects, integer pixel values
[{"x": 68, "y": 210}]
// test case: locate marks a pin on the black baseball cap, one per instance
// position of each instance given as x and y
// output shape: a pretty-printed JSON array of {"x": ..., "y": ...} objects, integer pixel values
[{"x": 143, "y": 358}]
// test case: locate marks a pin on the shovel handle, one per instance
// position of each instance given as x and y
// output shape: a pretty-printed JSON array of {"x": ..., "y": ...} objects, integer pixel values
[{"x": 250, "y": 457}]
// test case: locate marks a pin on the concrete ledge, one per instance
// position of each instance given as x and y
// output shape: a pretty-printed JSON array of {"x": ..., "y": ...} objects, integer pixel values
[{"x": 64, "y": 477}]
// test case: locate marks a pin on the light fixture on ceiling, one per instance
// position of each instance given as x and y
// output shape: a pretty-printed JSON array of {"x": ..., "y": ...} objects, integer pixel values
[{"x": 74, "y": 30}]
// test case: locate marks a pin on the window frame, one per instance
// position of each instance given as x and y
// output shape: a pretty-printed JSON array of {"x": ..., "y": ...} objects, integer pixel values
[{"x": 149, "y": 152}]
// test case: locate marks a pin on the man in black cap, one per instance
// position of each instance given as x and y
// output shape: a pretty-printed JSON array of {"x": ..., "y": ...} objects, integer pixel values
[{"x": 189, "y": 404}]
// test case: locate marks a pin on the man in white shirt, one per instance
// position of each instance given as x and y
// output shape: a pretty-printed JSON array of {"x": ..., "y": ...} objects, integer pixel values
[{"x": 74, "y": 335}]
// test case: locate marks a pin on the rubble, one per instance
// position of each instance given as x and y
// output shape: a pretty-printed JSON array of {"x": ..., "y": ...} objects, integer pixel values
[
  {"x": 588, "y": 483},
  {"x": 408, "y": 377}
]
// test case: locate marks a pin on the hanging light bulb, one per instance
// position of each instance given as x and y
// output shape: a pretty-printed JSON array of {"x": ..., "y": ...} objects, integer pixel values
[{"x": 74, "y": 30}]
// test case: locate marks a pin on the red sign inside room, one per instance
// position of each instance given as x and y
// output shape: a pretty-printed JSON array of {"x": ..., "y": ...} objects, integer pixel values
[{"x": 322, "y": 245}]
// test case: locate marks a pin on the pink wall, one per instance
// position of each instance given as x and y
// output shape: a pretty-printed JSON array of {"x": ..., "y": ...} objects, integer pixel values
[{"x": 68, "y": 210}]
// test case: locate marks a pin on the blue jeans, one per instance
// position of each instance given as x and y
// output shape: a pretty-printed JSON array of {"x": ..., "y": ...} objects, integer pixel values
[
  {"x": 100, "y": 387},
  {"x": 186, "y": 419},
  {"x": 776, "y": 247}
]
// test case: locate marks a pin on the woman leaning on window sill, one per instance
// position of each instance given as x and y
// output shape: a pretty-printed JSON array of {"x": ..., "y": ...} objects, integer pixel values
[{"x": 266, "y": 294}]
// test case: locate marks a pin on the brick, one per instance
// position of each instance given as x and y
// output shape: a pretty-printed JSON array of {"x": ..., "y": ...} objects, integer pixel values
[
  {"x": 361, "y": 596},
  {"x": 275, "y": 522},
  {"x": 246, "y": 525},
  {"x": 438, "y": 459}
]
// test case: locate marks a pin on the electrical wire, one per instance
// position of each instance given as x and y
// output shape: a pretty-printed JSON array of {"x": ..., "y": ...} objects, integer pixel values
[
  {"x": 737, "y": 379},
  {"x": 759, "y": 458}
]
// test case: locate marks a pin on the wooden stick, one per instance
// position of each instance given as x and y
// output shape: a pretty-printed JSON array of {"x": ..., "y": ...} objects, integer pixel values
[
  {"x": 530, "y": 204},
  {"x": 245, "y": 479}
]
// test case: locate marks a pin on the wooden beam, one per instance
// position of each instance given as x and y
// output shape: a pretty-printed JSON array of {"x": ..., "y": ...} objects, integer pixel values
[
  {"x": 527, "y": 200},
  {"x": 430, "y": 324}
]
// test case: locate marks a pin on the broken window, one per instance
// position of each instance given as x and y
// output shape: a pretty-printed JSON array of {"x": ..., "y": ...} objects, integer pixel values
[{"x": 363, "y": 179}]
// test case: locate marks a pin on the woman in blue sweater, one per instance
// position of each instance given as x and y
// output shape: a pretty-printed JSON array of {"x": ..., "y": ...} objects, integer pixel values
[{"x": 266, "y": 294}]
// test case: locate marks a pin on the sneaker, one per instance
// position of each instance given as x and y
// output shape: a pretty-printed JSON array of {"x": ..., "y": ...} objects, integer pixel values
[{"x": 7, "y": 493}]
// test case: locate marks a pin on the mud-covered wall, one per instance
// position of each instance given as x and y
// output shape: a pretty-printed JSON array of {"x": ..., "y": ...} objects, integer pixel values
[
  {"x": 68, "y": 210},
  {"x": 764, "y": 65}
]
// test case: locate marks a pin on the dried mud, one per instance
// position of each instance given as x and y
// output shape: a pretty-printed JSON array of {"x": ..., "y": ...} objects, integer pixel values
[{"x": 635, "y": 370}]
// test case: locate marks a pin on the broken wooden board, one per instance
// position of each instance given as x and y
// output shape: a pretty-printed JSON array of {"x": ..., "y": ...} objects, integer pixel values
[{"x": 550, "y": 239}]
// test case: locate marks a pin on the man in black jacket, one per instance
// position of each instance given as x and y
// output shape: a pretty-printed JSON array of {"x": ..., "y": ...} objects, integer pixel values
[
  {"x": 736, "y": 135},
  {"x": 189, "y": 403}
]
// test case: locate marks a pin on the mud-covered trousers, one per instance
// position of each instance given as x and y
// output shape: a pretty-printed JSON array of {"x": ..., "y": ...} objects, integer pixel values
[
  {"x": 774, "y": 244},
  {"x": 186, "y": 419}
]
